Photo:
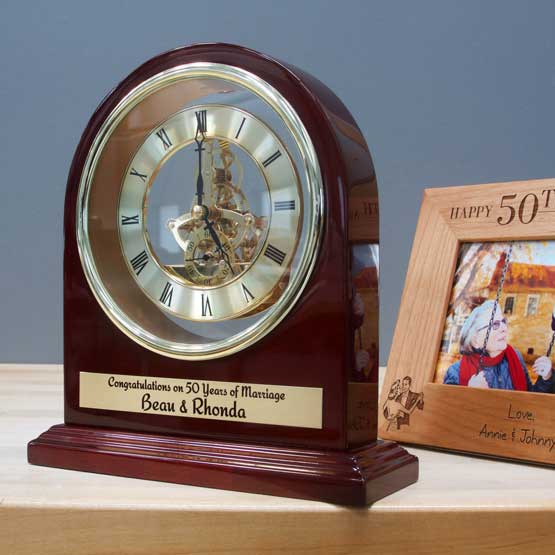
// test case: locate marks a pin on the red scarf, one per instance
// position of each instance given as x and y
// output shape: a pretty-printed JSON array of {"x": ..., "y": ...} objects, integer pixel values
[{"x": 470, "y": 365}]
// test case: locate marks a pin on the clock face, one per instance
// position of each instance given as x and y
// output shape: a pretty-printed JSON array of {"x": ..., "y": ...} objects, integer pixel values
[
  {"x": 199, "y": 211},
  {"x": 215, "y": 242}
]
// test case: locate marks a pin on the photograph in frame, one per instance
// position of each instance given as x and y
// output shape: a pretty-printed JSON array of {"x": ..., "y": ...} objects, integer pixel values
[{"x": 499, "y": 327}]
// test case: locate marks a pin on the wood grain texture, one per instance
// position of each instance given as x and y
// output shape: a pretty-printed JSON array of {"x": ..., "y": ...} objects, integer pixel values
[
  {"x": 102, "y": 532},
  {"x": 320, "y": 326},
  {"x": 424, "y": 300},
  {"x": 454, "y": 417},
  {"x": 459, "y": 505},
  {"x": 357, "y": 476}
]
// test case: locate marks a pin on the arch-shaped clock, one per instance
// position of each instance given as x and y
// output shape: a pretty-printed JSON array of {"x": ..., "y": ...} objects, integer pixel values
[{"x": 207, "y": 281}]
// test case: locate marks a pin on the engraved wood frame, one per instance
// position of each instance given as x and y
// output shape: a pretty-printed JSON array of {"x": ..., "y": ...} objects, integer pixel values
[{"x": 451, "y": 417}]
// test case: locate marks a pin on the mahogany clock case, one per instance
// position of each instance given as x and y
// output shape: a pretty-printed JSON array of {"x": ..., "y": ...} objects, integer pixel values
[{"x": 311, "y": 347}]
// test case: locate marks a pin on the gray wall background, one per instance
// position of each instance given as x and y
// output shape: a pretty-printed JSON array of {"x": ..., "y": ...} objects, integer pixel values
[{"x": 445, "y": 92}]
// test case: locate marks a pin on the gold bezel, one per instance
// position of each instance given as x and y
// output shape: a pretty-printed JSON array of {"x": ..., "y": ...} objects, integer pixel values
[{"x": 314, "y": 221}]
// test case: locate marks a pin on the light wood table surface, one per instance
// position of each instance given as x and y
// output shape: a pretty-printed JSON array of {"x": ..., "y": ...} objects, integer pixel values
[{"x": 460, "y": 504}]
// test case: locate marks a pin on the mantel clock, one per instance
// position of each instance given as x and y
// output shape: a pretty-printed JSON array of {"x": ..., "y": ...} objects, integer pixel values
[{"x": 221, "y": 209}]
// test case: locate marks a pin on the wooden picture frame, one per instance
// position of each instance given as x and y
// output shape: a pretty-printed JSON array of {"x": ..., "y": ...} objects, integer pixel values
[{"x": 501, "y": 423}]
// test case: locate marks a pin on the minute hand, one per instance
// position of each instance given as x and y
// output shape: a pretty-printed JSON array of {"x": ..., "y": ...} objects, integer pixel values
[
  {"x": 216, "y": 239},
  {"x": 201, "y": 129}
]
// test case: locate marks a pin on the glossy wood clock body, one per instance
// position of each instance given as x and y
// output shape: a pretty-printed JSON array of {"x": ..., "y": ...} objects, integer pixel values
[{"x": 311, "y": 347}]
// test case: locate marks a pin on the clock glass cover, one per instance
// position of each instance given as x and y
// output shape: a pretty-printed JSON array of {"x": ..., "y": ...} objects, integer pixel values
[{"x": 199, "y": 211}]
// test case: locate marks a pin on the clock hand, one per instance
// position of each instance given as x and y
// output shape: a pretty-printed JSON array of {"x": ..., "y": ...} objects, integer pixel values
[
  {"x": 204, "y": 257},
  {"x": 216, "y": 239},
  {"x": 199, "y": 142}
]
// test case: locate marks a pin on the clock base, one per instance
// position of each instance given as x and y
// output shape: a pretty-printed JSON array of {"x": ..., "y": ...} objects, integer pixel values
[{"x": 357, "y": 476}]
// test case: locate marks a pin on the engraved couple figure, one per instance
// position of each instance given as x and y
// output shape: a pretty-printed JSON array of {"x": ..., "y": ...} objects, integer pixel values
[
  {"x": 501, "y": 365},
  {"x": 401, "y": 402}
]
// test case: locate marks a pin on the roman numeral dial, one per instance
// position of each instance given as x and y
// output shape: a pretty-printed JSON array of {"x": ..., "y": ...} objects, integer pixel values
[
  {"x": 284, "y": 205},
  {"x": 199, "y": 207},
  {"x": 272, "y": 158},
  {"x": 206, "y": 306},
  {"x": 130, "y": 220},
  {"x": 139, "y": 262},
  {"x": 163, "y": 136},
  {"x": 237, "y": 250},
  {"x": 167, "y": 294},
  {"x": 201, "y": 121},
  {"x": 240, "y": 128},
  {"x": 142, "y": 176},
  {"x": 248, "y": 296},
  {"x": 273, "y": 253}
]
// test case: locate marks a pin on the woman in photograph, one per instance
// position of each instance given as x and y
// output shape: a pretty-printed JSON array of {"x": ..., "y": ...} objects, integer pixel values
[{"x": 502, "y": 366}]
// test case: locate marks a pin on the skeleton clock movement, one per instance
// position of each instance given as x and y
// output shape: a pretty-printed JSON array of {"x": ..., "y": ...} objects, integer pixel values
[{"x": 220, "y": 208}]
